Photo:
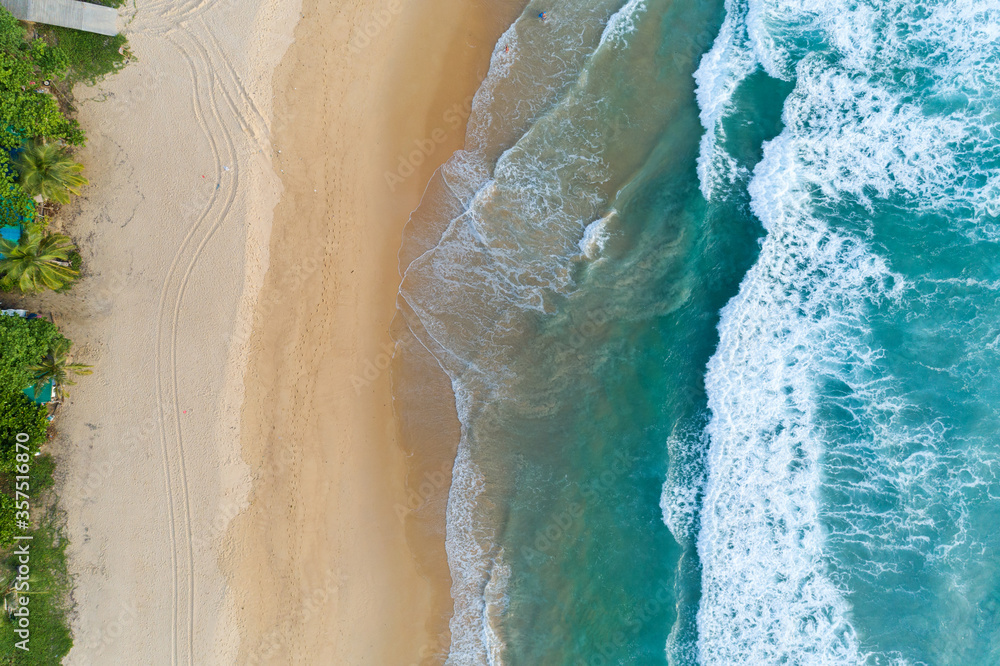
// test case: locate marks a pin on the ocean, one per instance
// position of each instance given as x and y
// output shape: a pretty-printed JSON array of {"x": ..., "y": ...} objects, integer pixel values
[{"x": 716, "y": 288}]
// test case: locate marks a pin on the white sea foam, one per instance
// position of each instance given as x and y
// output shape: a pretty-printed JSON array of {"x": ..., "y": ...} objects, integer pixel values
[
  {"x": 766, "y": 597},
  {"x": 681, "y": 494},
  {"x": 722, "y": 69},
  {"x": 855, "y": 134},
  {"x": 530, "y": 172},
  {"x": 623, "y": 23},
  {"x": 496, "y": 600},
  {"x": 596, "y": 235},
  {"x": 469, "y": 559},
  {"x": 856, "y": 138}
]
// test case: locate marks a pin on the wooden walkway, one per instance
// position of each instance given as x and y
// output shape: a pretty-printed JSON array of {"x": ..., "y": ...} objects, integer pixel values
[{"x": 66, "y": 13}]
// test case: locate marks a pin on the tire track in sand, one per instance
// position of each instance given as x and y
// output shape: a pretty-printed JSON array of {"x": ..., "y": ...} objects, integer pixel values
[
  {"x": 212, "y": 85},
  {"x": 176, "y": 482}
]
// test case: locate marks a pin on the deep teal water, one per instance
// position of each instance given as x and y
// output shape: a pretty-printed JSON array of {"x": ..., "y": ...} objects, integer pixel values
[{"x": 716, "y": 286}]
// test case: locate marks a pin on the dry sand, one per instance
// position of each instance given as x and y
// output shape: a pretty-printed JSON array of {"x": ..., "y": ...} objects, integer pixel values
[
  {"x": 174, "y": 235},
  {"x": 188, "y": 294}
]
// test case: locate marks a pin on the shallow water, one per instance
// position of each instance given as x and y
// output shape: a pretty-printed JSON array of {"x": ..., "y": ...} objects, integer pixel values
[{"x": 716, "y": 290}]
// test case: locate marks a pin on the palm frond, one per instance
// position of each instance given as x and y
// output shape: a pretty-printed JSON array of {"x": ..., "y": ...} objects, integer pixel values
[
  {"x": 47, "y": 169},
  {"x": 37, "y": 262}
]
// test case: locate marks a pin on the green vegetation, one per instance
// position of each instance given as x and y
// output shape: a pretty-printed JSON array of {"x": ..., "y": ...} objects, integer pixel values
[
  {"x": 7, "y": 527},
  {"x": 23, "y": 343},
  {"x": 18, "y": 414},
  {"x": 37, "y": 173},
  {"x": 56, "y": 368},
  {"x": 31, "y": 351},
  {"x": 15, "y": 204},
  {"x": 26, "y": 110},
  {"x": 37, "y": 134},
  {"x": 37, "y": 261},
  {"x": 47, "y": 170},
  {"x": 50, "y": 582},
  {"x": 24, "y": 346},
  {"x": 89, "y": 57}
]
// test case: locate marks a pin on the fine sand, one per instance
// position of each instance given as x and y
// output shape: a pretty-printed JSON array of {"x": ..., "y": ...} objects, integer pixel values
[
  {"x": 230, "y": 476},
  {"x": 174, "y": 236},
  {"x": 370, "y": 99}
]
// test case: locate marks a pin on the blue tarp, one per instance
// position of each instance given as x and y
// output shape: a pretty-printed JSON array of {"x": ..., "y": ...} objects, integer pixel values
[
  {"x": 43, "y": 396},
  {"x": 11, "y": 233}
]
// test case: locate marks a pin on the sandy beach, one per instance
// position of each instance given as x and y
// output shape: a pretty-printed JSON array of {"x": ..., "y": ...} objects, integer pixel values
[
  {"x": 230, "y": 473},
  {"x": 374, "y": 96},
  {"x": 715, "y": 286},
  {"x": 174, "y": 237}
]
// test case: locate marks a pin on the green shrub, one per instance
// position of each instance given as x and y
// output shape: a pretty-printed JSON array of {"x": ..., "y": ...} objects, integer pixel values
[
  {"x": 16, "y": 207},
  {"x": 7, "y": 523},
  {"x": 53, "y": 63},
  {"x": 89, "y": 57},
  {"x": 23, "y": 342},
  {"x": 41, "y": 475},
  {"x": 12, "y": 33},
  {"x": 19, "y": 415},
  {"x": 40, "y": 470},
  {"x": 26, "y": 113},
  {"x": 51, "y": 639}
]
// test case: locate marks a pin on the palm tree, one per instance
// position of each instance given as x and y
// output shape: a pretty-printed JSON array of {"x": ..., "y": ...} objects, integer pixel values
[
  {"x": 36, "y": 262},
  {"x": 46, "y": 169},
  {"x": 55, "y": 367}
]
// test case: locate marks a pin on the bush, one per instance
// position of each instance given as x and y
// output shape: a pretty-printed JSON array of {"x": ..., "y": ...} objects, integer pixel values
[
  {"x": 23, "y": 342},
  {"x": 16, "y": 207},
  {"x": 25, "y": 112},
  {"x": 12, "y": 33},
  {"x": 42, "y": 474},
  {"x": 51, "y": 639},
  {"x": 19, "y": 415},
  {"x": 40, "y": 471},
  {"x": 53, "y": 62},
  {"x": 7, "y": 526},
  {"x": 89, "y": 57}
]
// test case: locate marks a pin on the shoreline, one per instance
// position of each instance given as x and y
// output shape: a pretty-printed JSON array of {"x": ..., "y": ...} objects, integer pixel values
[{"x": 320, "y": 564}]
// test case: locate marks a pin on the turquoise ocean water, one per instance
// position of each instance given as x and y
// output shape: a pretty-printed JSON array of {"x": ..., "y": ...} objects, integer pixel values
[{"x": 717, "y": 288}]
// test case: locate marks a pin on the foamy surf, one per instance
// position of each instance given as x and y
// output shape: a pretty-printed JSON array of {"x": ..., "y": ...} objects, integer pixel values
[
  {"x": 522, "y": 190},
  {"x": 828, "y": 476},
  {"x": 828, "y": 479},
  {"x": 595, "y": 236}
]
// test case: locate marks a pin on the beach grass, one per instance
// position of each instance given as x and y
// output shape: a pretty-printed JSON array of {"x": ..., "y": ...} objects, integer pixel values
[{"x": 90, "y": 56}]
